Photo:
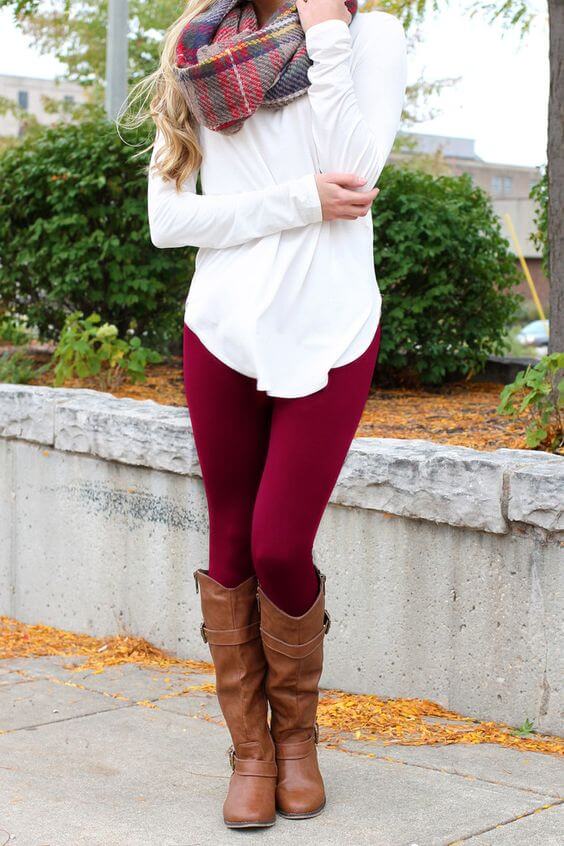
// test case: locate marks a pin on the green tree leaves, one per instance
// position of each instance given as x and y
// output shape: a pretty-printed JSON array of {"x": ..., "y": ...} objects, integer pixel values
[{"x": 75, "y": 32}]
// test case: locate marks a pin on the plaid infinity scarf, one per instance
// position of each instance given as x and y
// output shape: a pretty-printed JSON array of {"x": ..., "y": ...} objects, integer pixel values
[{"x": 227, "y": 67}]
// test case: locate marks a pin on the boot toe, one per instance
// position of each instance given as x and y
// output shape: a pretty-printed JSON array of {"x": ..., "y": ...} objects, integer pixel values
[
  {"x": 250, "y": 802},
  {"x": 300, "y": 802},
  {"x": 295, "y": 807}
]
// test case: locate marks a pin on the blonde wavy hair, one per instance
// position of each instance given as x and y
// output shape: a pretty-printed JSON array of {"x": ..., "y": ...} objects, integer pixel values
[{"x": 159, "y": 97}]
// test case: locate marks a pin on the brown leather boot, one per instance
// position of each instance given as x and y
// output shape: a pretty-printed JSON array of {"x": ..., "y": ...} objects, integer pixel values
[
  {"x": 231, "y": 629},
  {"x": 294, "y": 651}
]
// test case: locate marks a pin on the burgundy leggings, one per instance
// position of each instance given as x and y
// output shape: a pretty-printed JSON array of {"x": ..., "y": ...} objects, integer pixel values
[{"x": 269, "y": 465}]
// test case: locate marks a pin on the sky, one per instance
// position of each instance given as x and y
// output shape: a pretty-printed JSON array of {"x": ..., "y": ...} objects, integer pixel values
[{"x": 500, "y": 101}]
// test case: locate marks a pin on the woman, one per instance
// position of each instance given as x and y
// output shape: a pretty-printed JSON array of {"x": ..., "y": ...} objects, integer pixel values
[{"x": 288, "y": 112}]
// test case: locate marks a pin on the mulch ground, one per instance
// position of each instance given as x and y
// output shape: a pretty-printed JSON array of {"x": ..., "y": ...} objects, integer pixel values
[{"x": 461, "y": 413}]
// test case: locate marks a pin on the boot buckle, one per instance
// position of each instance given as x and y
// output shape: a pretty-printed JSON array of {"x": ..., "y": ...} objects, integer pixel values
[
  {"x": 327, "y": 621},
  {"x": 231, "y": 756},
  {"x": 203, "y": 631},
  {"x": 316, "y": 732}
]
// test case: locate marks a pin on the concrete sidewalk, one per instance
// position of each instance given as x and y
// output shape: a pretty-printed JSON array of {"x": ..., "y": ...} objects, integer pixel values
[{"x": 123, "y": 758}]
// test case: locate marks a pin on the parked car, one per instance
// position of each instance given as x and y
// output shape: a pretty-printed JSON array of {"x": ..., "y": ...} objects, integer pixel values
[{"x": 534, "y": 334}]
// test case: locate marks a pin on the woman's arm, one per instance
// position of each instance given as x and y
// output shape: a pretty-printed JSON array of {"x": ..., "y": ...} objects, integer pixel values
[
  {"x": 187, "y": 219},
  {"x": 356, "y": 101}
]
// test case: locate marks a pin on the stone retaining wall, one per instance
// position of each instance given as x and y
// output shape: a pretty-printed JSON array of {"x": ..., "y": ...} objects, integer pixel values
[{"x": 443, "y": 563}]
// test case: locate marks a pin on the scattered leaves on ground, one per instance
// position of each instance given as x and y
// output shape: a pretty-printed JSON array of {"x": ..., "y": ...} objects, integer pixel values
[
  {"x": 18, "y": 640},
  {"x": 407, "y": 722},
  {"x": 416, "y": 722}
]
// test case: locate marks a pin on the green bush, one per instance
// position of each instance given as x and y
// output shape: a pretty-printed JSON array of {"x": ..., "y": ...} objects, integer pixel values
[
  {"x": 14, "y": 330},
  {"x": 74, "y": 235},
  {"x": 538, "y": 394},
  {"x": 17, "y": 368},
  {"x": 88, "y": 347},
  {"x": 445, "y": 273}
]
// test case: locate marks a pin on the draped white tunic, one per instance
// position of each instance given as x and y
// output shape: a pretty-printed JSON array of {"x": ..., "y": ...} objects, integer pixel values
[{"x": 278, "y": 294}]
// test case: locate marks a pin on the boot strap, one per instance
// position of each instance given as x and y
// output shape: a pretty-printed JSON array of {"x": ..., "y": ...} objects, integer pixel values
[
  {"x": 295, "y": 751},
  {"x": 230, "y": 637},
  {"x": 295, "y": 650},
  {"x": 249, "y": 767}
]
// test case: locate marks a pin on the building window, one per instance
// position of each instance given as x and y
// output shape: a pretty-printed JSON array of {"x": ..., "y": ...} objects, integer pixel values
[
  {"x": 69, "y": 99},
  {"x": 502, "y": 185},
  {"x": 23, "y": 100}
]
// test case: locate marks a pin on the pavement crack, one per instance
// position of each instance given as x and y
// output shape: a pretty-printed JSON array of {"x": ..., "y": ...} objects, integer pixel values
[
  {"x": 504, "y": 823},
  {"x": 67, "y": 719},
  {"x": 387, "y": 759},
  {"x": 445, "y": 771}
]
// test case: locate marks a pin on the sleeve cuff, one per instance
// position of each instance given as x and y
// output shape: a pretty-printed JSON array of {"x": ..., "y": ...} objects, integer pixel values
[
  {"x": 308, "y": 199},
  {"x": 325, "y": 34}
]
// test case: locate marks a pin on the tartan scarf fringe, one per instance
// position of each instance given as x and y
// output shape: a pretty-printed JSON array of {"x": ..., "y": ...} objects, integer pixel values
[{"x": 227, "y": 67}]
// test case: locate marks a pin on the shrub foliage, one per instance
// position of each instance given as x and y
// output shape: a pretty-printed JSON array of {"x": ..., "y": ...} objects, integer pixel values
[
  {"x": 74, "y": 235},
  {"x": 446, "y": 275},
  {"x": 88, "y": 347},
  {"x": 538, "y": 393},
  {"x": 18, "y": 368}
]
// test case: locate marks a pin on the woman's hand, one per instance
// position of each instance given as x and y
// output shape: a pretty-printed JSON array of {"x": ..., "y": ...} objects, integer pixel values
[
  {"x": 312, "y": 12},
  {"x": 339, "y": 200}
]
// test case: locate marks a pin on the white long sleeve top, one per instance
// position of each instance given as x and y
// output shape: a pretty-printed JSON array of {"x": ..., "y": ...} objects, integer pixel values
[{"x": 278, "y": 294}]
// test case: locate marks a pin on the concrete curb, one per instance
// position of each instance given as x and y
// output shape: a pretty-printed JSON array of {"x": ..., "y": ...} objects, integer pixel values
[
  {"x": 408, "y": 478},
  {"x": 444, "y": 564}
]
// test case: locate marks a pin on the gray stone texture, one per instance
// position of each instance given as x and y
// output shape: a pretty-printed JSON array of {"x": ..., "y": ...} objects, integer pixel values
[
  {"x": 28, "y": 412},
  {"x": 410, "y": 478},
  {"x": 130, "y": 432},
  {"x": 443, "y": 563},
  {"x": 534, "y": 493},
  {"x": 421, "y": 479}
]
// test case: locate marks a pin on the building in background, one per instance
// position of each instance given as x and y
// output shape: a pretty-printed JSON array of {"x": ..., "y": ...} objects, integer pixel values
[
  {"x": 508, "y": 185},
  {"x": 28, "y": 93}
]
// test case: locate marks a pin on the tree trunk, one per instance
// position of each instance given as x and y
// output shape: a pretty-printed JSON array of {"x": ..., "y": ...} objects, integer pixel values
[{"x": 556, "y": 175}]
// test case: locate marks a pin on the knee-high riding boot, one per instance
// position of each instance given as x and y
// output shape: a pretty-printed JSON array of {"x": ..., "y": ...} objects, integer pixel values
[
  {"x": 294, "y": 652},
  {"x": 231, "y": 629}
]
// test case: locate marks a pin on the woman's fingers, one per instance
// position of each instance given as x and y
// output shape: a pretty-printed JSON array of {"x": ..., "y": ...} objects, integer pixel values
[
  {"x": 311, "y": 12},
  {"x": 358, "y": 203},
  {"x": 342, "y": 196},
  {"x": 361, "y": 198},
  {"x": 345, "y": 180},
  {"x": 353, "y": 213}
]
